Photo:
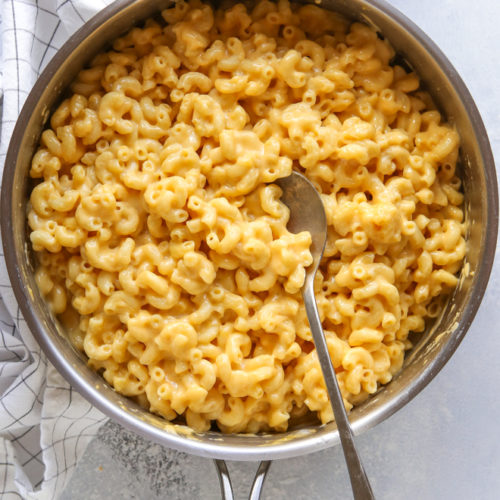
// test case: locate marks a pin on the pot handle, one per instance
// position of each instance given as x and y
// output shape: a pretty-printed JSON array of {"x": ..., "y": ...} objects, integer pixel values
[
  {"x": 226, "y": 487},
  {"x": 258, "y": 482}
]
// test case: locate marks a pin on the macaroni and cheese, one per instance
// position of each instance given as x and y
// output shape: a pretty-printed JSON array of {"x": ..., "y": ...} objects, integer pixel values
[{"x": 162, "y": 240}]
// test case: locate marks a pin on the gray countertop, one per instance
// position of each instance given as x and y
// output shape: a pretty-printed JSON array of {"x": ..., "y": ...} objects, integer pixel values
[{"x": 444, "y": 444}]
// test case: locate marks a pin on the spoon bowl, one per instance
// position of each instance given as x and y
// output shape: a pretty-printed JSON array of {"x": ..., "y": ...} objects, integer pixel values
[{"x": 307, "y": 213}]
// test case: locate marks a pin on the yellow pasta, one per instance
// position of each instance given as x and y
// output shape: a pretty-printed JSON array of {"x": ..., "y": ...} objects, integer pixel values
[{"x": 162, "y": 240}]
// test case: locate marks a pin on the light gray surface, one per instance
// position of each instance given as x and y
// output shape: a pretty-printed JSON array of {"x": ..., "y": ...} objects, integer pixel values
[{"x": 445, "y": 444}]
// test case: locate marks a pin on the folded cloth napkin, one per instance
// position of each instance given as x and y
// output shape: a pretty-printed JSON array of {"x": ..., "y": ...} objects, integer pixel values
[{"x": 45, "y": 425}]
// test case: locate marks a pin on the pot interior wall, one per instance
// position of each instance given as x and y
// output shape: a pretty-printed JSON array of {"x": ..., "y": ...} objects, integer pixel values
[{"x": 422, "y": 363}]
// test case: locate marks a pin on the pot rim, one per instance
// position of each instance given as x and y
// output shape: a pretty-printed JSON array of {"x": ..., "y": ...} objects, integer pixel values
[{"x": 239, "y": 450}]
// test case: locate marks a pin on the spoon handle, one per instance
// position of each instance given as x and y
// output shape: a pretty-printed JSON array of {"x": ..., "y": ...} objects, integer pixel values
[{"x": 359, "y": 482}]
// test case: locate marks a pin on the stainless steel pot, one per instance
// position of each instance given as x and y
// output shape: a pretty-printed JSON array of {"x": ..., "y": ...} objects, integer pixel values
[{"x": 421, "y": 364}]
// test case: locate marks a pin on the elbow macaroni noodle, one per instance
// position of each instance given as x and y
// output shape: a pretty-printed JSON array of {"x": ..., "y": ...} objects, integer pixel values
[{"x": 161, "y": 238}]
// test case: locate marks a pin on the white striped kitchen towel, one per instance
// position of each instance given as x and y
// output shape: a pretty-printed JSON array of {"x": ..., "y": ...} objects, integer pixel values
[{"x": 45, "y": 425}]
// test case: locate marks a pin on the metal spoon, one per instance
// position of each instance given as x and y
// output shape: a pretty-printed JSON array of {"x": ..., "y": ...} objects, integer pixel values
[{"x": 308, "y": 214}]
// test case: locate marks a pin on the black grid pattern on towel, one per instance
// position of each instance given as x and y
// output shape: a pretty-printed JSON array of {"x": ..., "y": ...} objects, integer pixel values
[{"x": 44, "y": 424}]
